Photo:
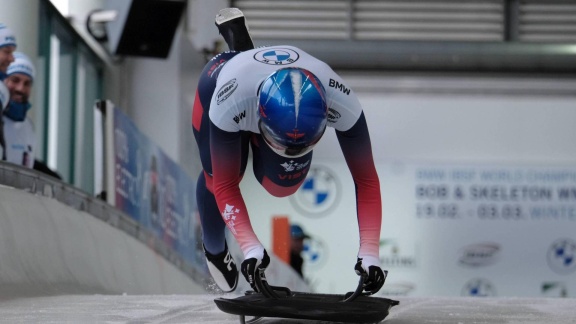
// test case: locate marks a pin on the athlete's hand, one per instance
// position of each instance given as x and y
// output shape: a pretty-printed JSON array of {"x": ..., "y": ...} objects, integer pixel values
[
  {"x": 370, "y": 266},
  {"x": 254, "y": 262}
]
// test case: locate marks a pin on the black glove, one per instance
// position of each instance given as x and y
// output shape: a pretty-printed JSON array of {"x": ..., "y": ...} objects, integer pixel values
[
  {"x": 252, "y": 265},
  {"x": 370, "y": 267}
]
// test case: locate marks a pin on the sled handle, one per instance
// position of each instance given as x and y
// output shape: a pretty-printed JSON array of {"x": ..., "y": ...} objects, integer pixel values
[
  {"x": 263, "y": 286},
  {"x": 352, "y": 295}
]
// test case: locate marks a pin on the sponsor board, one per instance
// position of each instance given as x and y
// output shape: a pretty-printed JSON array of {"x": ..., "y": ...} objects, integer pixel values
[{"x": 480, "y": 254}]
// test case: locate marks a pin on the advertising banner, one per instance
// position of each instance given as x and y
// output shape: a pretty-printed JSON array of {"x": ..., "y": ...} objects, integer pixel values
[
  {"x": 493, "y": 230},
  {"x": 154, "y": 190},
  {"x": 447, "y": 229}
]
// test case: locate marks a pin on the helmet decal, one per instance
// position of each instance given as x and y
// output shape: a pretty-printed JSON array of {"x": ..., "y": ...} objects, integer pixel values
[
  {"x": 296, "y": 79},
  {"x": 315, "y": 82},
  {"x": 295, "y": 134},
  {"x": 261, "y": 111}
]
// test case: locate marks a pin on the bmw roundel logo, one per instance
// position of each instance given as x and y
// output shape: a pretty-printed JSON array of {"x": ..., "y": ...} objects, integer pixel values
[
  {"x": 561, "y": 256},
  {"x": 315, "y": 253},
  {"x": 478, "y": 287},
  {"x": 276, "y": 56},
  {"x": 319, "y": 194}
]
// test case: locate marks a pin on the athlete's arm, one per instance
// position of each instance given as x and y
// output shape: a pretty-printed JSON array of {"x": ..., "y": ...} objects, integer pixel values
[
  {"x": 225, "y": 150},
  {"x": 356, "y": 146}
]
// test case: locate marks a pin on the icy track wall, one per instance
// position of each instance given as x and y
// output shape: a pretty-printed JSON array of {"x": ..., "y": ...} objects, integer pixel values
[
  {"x": 55, "y": 239},
  {"x": 47, "y": 247}
]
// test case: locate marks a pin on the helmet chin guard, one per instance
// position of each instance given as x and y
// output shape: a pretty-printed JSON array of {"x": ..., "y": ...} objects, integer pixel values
[{"x": 293, "y": 111}]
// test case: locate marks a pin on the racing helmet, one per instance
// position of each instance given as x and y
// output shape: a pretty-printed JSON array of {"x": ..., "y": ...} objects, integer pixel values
[{"x": 293, "y": 111}]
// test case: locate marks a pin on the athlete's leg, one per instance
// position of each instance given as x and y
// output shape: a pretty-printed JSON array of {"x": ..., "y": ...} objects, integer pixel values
[
  {"x": 280, "y": 176},
  {"x": 232, "y": 26},
  {"x": 218, "y": 259},
  {"x": 213, "y": 227}
]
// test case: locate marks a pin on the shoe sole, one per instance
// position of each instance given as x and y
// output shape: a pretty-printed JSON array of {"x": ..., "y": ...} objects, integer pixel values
[
  {"x": 233, "y": 27},
  {"x": 220, "y": 280},
  {"x": 228, "y": 14}
]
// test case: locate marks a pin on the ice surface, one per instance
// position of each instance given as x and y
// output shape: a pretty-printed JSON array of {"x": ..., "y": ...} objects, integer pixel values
[{"x": 201, "y": 309}]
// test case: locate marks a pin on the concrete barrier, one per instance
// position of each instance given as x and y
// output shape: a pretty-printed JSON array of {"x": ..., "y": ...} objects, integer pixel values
[
  {"x": 47, "y": 247},
  {"x": 55, "y": 240}
]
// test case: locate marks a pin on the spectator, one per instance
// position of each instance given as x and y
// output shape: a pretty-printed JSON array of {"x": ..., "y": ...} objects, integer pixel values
[
  {"x": 297, "y": 237},
  {"x": 7, "y": 48},
  {"x": 18, "y": 129},
  {"x": 4, "y": 99}
]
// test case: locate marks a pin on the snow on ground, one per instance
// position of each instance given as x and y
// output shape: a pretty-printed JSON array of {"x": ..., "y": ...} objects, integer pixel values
[{"x": 201, "y": 309}]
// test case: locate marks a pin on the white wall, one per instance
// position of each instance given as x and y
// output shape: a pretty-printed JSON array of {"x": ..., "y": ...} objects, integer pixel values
[
  {"x": 466, "y": 118},
  {"x": 160, "y": 96},
  {"x": 473, "y": 128},
  {"x": 200, "y": 22},
  {"x": 154, "y": 98}
]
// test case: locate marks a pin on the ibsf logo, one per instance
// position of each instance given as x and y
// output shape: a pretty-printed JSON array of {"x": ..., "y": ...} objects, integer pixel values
[
  {"x": 477, "y": 255},
  {"x": 226, "y": 90},
  {"x": 479, "y": 288},
  {"x": 561, "y": 256},
  {"x": 333, "y": 115}
]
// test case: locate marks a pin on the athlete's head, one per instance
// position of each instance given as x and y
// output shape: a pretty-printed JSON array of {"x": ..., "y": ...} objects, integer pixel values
[
  {"x": 7, "y": 48},
  {"x": 293, "y": 111},
  {"x": 19, "y": 81}
]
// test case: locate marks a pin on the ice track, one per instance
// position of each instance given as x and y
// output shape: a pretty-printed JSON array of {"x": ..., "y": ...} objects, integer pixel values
[{"x": 201, "y": 309}]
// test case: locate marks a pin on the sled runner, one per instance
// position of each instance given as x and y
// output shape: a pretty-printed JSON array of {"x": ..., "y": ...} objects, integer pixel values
[{"x": 271, "y": 301}]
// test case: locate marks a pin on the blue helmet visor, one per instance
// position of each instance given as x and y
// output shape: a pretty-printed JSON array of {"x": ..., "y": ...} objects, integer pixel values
[{"x": 286, "y": 151}]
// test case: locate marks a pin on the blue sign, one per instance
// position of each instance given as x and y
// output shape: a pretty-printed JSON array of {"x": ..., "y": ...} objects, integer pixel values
[{"x": 155, "y": 191}]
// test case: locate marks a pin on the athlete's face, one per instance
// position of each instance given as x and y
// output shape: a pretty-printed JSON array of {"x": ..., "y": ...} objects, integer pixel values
[
  {"x": 20, "y": 86},
  {"x": 297, "y": 244},
  {"x": 6, "y": 57}
]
